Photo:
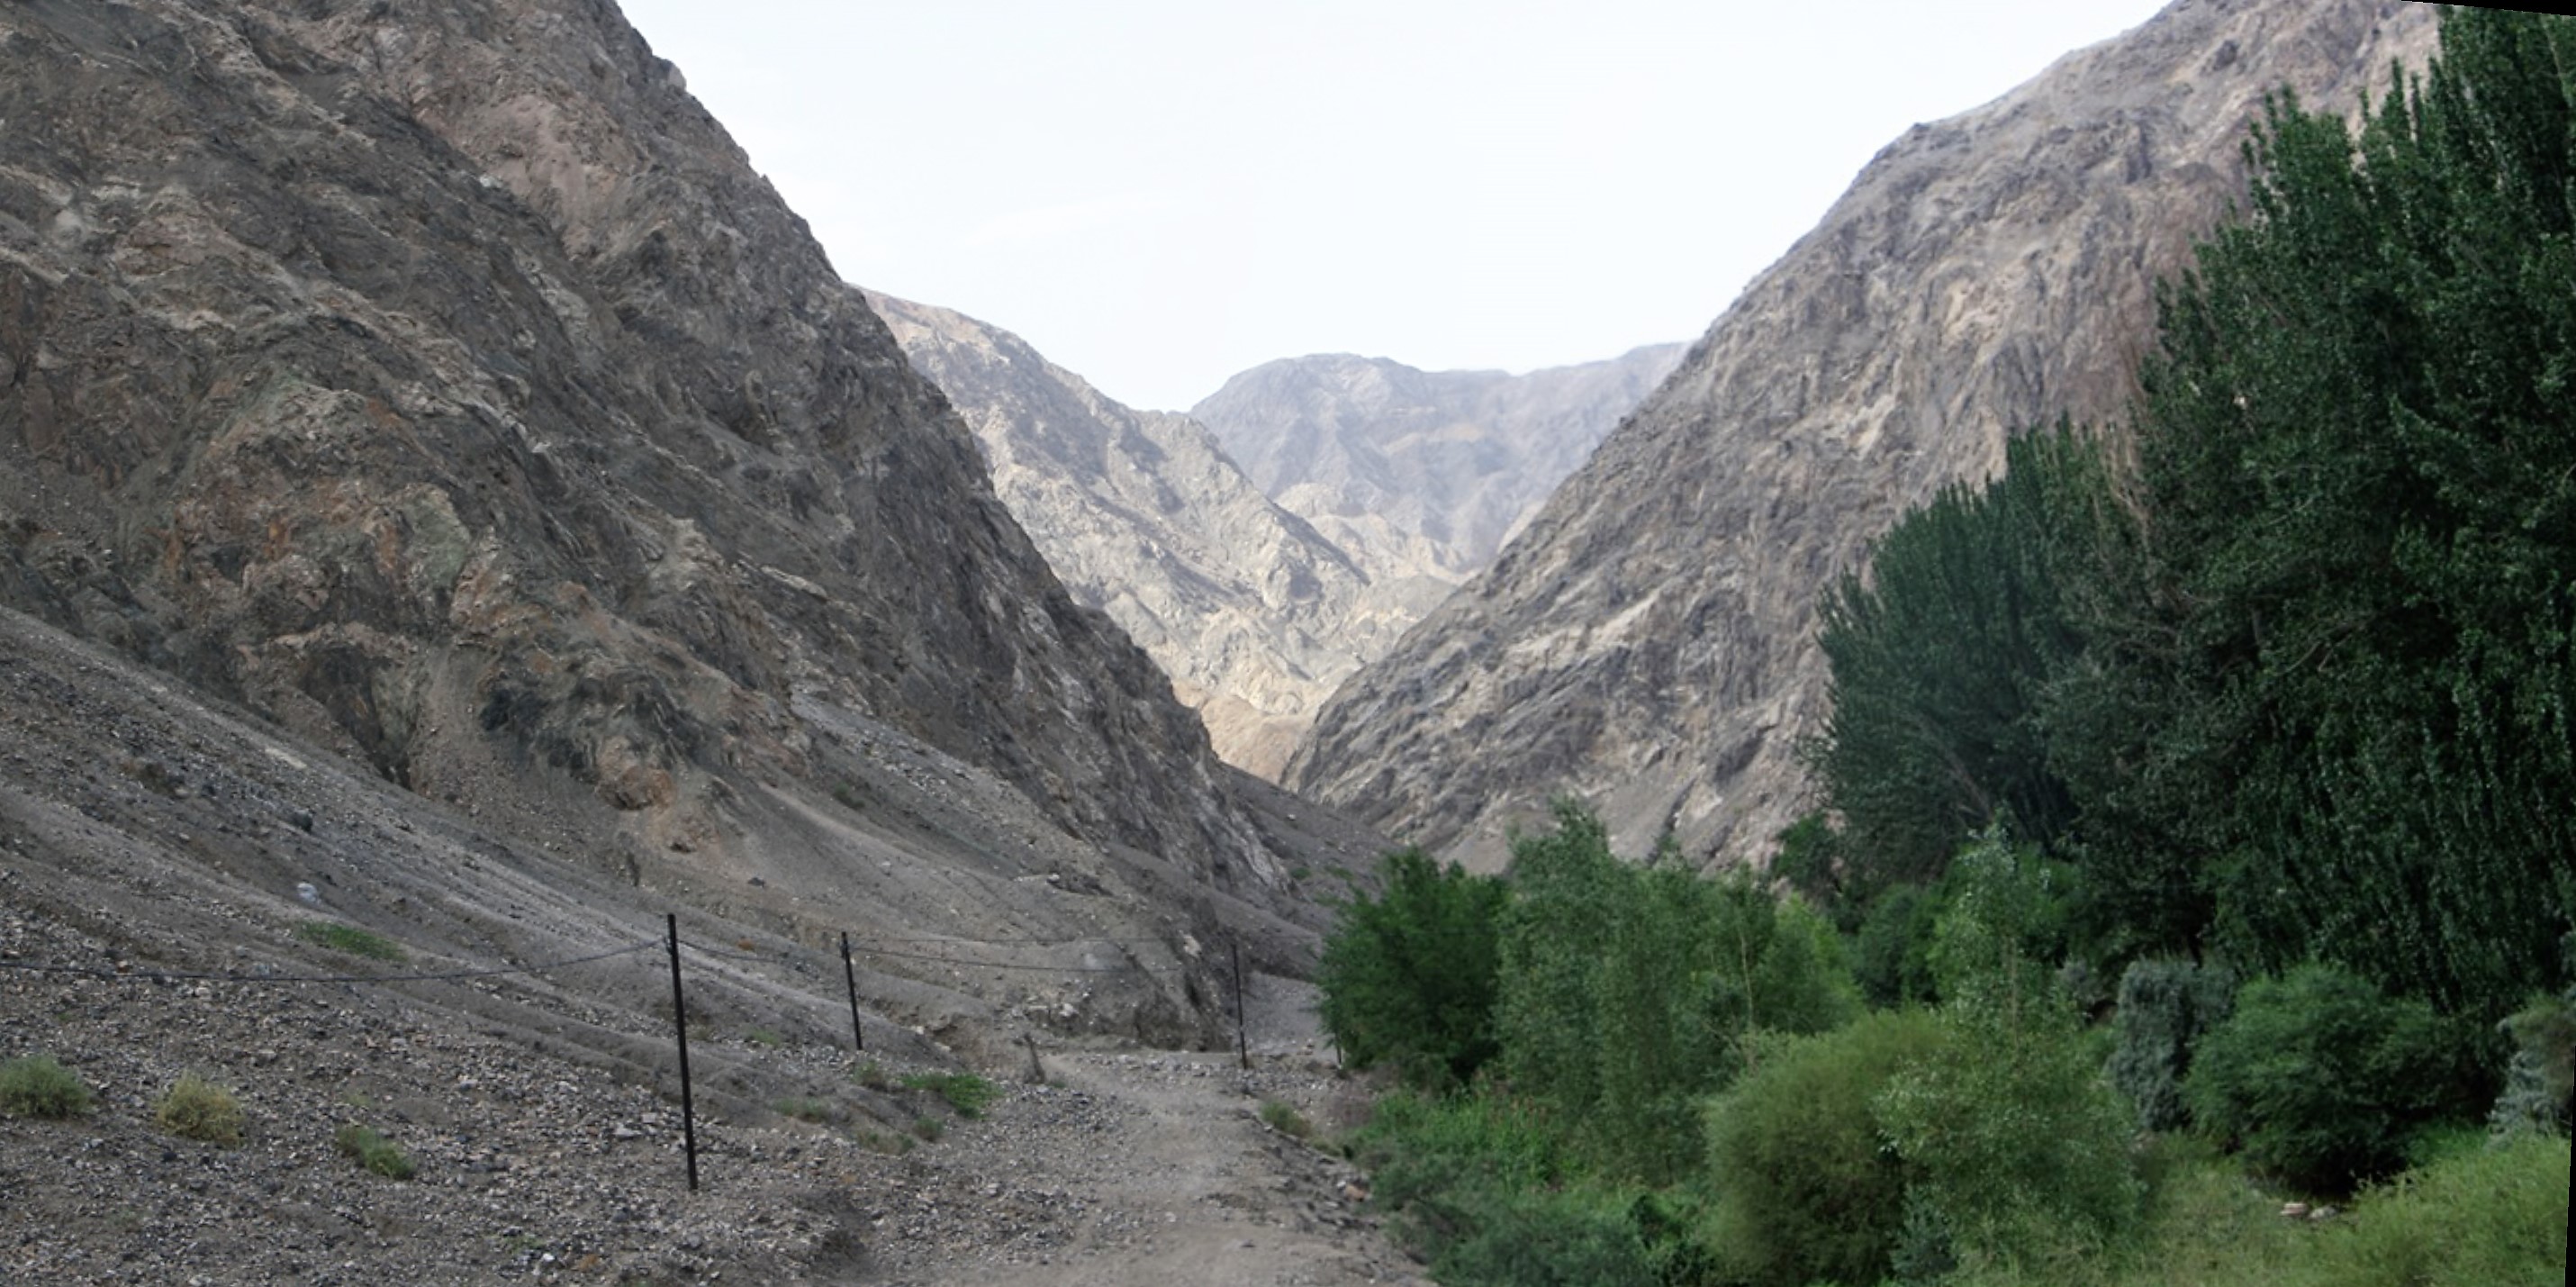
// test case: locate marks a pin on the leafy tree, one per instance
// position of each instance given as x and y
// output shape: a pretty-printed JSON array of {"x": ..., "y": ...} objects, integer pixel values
[
  {"x": 1409, "y": 978},
  {"x": 2360, "y": 648},
  {"x": 1941, "y": 657}
]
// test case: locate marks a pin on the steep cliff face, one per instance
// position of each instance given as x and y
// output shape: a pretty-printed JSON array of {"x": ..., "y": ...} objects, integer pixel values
[
  {"x": 1648, "y": 641},
  {"x": 1254, "y": 616},
  {"x": 441, "y": 382},
  {"x": 1421, "y": 475}
]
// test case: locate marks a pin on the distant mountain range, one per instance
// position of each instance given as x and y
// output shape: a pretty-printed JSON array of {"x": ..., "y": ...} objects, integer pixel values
[{"x": 1393, "y": 486}]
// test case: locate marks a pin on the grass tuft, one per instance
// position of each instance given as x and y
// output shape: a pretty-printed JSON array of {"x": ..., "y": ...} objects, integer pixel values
[
  {"x": 1286, "y": 1120},
  {"x": 965, "y": 1092},
  {"x": 374, "y": 1152},
  {"x": 350, "y": 939}
]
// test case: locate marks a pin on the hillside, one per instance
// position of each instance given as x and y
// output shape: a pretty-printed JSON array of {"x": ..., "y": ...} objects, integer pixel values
[{"x": 1648, "y": 640}]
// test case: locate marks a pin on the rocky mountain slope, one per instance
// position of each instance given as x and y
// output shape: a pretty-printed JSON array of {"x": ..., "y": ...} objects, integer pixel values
[
  {"x": 1421, "y": 475},
  {"x": 1648, "y": 641},
  {"x": 441, "y": 383},
  {"x": 1254, "y": 615}
]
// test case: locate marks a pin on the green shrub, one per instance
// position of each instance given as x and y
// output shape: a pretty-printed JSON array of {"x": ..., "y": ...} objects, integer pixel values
[
  {"x": 2165, "y": 1008},
  {"x": 803, "y": 1108},
  {"x": 373, "y": 1151},
  {"x": 1892, "y": 953},
  {"x": 2320, "y": 1079},
  {"x": 2485, "y": 1218},
  {"x": 874, "y": 1076},
  {"x": 965, "y": 1092},
  {"x": 1443, "y": 1164},
  {"x": 198, "y": 1109},
  {"x": 1408, "y": 978},
  {"x": 350, "y": 939},
  {"x": 1806, "y": 1191},
  {"x": 37, "y": 1086},
  {"x": 1285, "y": 1120},
  {"x": 929, "y": 1129},
  {"x": 2021, "y": 1147},
  {"x": 1543, "y": 1238}
]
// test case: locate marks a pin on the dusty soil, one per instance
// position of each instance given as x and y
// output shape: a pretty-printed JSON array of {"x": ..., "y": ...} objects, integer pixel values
[{"x": 145, "y": 834}]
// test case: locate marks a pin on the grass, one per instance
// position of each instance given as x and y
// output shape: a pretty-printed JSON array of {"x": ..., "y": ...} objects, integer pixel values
[
  {"x": 374, "y": 1152},
  {"x": 350, "y": 939},
  {"x": 1285, "y": 1120},
  {"x": 965, "y": 1092},
  {"x": 874, "y": 1076},
  {"x": 881, "y": 1142},
  {"x": 763, "y": 1038},
  {"x": 198, "y": 1109},
  {"x": 929, "y": 1129},
  {"x": 848, "y": 795},
  {"x": 38, "y": 1086}
]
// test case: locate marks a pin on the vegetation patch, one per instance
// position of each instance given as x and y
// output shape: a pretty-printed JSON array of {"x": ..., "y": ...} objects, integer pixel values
[
  {"x": 39, "y": 1086},
  {"x": 350, "y": 939},
  {"x": 1285, "y": 1120},
  {"x": 198, "y": 1109},
  {"x": 369, "y": 1149},
  {"x": 965, "y": 1092}
]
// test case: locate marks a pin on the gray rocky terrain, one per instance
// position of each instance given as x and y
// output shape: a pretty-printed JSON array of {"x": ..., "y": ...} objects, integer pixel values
[
  {"x": 152, "y": 846},
  {"x": 1647, "y": 642},
  {"x": 1422, "y": 475},
  {"x": 1254, "y": 615}
]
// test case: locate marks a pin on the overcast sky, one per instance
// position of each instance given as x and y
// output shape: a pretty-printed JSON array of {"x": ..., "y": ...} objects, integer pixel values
[{"x": 1158, "y": 195}]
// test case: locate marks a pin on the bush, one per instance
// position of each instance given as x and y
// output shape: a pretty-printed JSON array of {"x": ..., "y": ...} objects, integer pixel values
[
  {"x": 2486, "y": 1218},
  {"x": 1805, "y": 1189},
  {"x": 2165, "y": 1009},
  {"x": 2320, "y": 1079},
  {"x": 2021, "y": 1147},
  {"x": 37, "y": 1086},
  {"x": 198, "y": 1109},
  {"x": 373, "y": 1151},
  {"x": 1542, "y": 1239},
  {"x": 1892, "y": 953},
  {"x": 1443, "y": 1164},
  {"x": 1408, "y": 978},
  {"x": 350, "y": 939}
]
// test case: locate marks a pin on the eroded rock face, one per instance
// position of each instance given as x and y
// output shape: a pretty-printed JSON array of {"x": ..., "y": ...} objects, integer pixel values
[
  {"x": 441, "y": 382},
  {"x": 1648, "y": 641},
  {"x": 1421, "y": 475},
  {"x": 1254, "y": 615}
]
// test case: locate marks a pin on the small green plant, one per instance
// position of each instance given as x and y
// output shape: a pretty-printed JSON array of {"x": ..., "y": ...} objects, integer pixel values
[
  {"x": 37, "y": 1086},
  {"x": 1285, "y": 1120},
  {"x": 929, "y": 1129},
  {"x": 965, "y": 1092},
  {"x": 198, "y": 1109},
  {"x": 373, "y": 1151},
  {"x": 848, "y": 794},
  {"x": 763, "y": 1038},
  {"x": 874, "y": 1076},
  {"x": 350, "y": 939}
]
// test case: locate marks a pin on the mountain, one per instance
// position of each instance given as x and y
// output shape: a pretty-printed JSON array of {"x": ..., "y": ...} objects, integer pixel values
[
  {"x": 1648, "y": 641},
  {"x": 1254, "y": 615},
  {"x": 1421, "y": 475},
  {"x": 440, "y": 385}
]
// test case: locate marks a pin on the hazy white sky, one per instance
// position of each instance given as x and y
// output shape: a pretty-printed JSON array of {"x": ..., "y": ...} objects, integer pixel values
[{"x": 1160, "y": 194}]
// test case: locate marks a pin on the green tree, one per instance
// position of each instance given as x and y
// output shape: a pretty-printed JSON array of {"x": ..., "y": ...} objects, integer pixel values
[
  {"x": 2359, "y": 649},
  {"x": 1409, "y": 978}
]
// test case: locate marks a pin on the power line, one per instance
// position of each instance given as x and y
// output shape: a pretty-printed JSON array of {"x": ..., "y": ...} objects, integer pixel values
[{"x": 1035, "y": 969}]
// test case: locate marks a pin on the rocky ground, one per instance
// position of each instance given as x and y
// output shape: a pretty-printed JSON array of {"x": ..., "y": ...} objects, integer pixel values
[{"x": 147, "y": 835}]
